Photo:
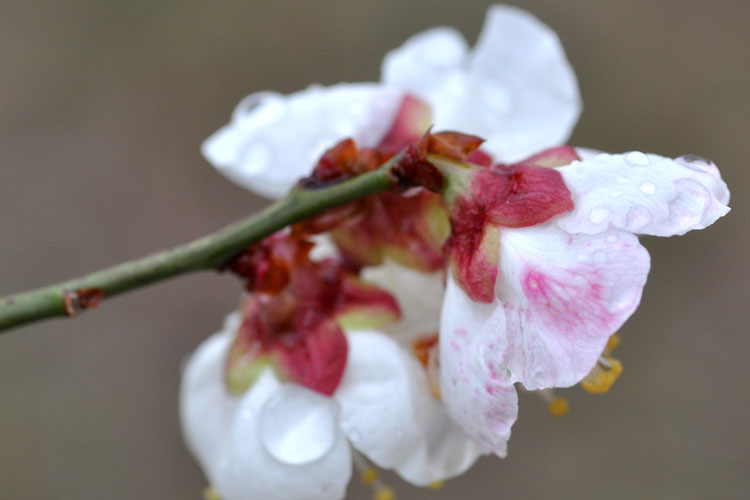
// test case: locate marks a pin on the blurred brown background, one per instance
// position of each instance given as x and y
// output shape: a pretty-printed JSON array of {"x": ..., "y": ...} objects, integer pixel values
[{"x": 103, "y": 106}]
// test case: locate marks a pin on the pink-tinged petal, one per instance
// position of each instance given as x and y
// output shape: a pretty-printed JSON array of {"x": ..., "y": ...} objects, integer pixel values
[
  {"x": 388, "y": 413},
  {"x": 239, "y": 452},
  {"x": 563, "y": 297},
  {"x": 644, "y": 194},
  {"x": 273, "y": 140},
  {"x": 474, "y": 384},
  {"x": 418, "y": 294}
]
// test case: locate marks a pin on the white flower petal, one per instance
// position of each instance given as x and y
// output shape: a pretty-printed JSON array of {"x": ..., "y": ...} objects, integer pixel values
[
  {"x": 524, "y": 90},
  {"x": 474, "y": 384},
  {"x": 645, "y": 194},
  {"x": 389, "y": 415},
  {"x": 295, "y": 453},
  {"x": 206, "y": 410},
  {"x": 516, "y": 89},
  {"x": 426, "y": 62},
  {"x": 563, "y": 296},
  {"x": 418, "y": 294},
  {"x": 273, "y": 140},
  {"x": 276, "y": 442}
]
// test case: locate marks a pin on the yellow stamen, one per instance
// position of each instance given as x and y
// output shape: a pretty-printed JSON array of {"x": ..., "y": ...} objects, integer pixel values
[
  {"x": 612, "y": 343},
  {"x": 210, "y": 494},
  {"x": 436, "y": 485},
  {"x": 558, "y": 407},
  {"x": 601, "y": 379},
  {"x": 370, "y": 475},
  {"x": 384, "y": 494}
]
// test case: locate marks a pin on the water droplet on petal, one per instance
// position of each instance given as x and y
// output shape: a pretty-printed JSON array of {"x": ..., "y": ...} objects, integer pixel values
[
  {"x": 638, "y": 217},
  {"x": 598, "y": 214},
  {"x": 623, "y": 180},
  {"x": 617, "y": 193},
  {"x": 636, "y": 158},
  {"x": 297, "y": 425},
  {"x": 647, "y": 187},
  {"x": 698, "y": 163}
]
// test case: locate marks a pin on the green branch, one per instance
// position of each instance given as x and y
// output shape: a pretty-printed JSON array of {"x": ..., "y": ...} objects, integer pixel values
[{"x": 207, "y": 253}]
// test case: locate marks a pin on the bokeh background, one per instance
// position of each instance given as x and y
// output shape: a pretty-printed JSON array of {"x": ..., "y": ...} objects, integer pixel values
[{"x": 103, "y": 106}]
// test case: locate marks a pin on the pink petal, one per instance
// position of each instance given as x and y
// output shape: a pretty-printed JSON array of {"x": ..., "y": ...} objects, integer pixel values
[
  {"x": 563, "y": 296},
  {"x": 474, "y": 384}
]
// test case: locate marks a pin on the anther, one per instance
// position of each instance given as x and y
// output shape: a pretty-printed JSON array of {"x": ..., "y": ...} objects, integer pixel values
[
  {"x": 606, "y": 371},
  {"x": 209, "y": 493},
  {"x": 557, "y": 406}
]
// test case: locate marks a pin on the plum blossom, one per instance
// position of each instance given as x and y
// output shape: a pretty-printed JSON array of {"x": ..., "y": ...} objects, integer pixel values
[
  {"x": 272, "y": 403},
  {"x": 535, "y": 259},
  {"x": 561, "y": 283},
  {"x": 280, "y": 440},
  {"x": 515, "y": 88}
]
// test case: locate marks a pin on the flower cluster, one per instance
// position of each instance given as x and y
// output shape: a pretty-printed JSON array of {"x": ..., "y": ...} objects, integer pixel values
[{"x": 395, "y": 329}]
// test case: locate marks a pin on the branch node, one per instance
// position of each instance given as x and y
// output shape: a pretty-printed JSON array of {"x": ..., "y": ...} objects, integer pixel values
[{"x": 79, "y": 300}]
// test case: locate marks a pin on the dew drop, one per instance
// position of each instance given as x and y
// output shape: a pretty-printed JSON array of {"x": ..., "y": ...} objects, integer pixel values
[
  {"x": 637, "y": 159},
  {"x": 297, "y": 426},
  {"x": 617, "y": 193},
  {"x": 647, "y": 187},
  {"x": 638, "y": 217},
  {"x": 696, "y": 162},
  {"x": 598, "y": 214},
  {"x": 623, "y": 180}
]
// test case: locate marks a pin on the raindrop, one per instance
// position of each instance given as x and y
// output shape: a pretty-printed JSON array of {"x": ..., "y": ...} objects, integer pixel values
[
  {"x": 647, "y": 187},
  {"x": 637, "y": 159},
  {"x": 638, "y": 217},
  {"x": 598, "y": 214},
  {"x": 297, "y": 426},
  {"x": 617, "y": 193},
  {"x": 696, "y": 162}
]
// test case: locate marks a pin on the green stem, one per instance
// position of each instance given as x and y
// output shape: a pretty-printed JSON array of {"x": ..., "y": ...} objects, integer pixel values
[{"x": 206, "y": 253}]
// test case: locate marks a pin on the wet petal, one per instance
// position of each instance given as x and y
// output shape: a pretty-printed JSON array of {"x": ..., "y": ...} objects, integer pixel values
[
  {"x": 273, "y": 140},
  {"x": 563, "y": 296},
  {"x": 246, "y": 454},
  {"x": 474, "y": 384},
  {"x": 644, "y": 194},
  {"x": 283, "y": 445},
  {"x": 388, "y": 413}
]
